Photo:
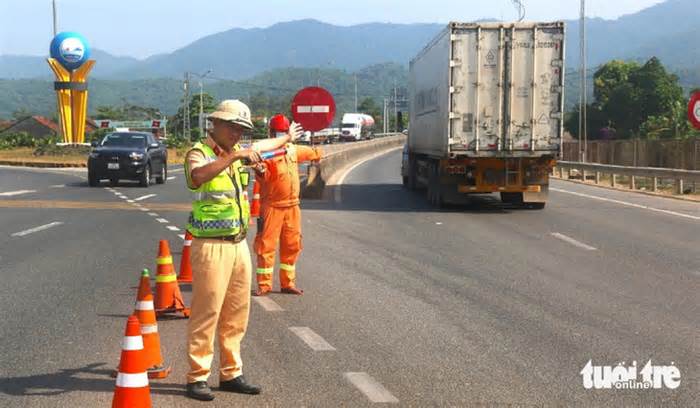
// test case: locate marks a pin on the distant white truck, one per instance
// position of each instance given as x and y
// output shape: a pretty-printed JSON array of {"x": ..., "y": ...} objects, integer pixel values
[{"x": 356, "y": 126}]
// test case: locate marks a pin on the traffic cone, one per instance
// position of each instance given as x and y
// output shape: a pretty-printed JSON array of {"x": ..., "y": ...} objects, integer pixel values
[
  {"x": 255, "y": 203},
  {"x": 132, "y": 389},
  {"x": 168, "y": 297},
  {"x": 151, "y": 338},
  {"x": 185, "y": 263},
  {"x": 144, "y": 284}
]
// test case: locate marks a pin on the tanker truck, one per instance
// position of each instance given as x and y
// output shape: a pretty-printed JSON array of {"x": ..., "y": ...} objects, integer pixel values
[
  {"x": 356, "y": 126},
  {"x": 486, "y": 112}
]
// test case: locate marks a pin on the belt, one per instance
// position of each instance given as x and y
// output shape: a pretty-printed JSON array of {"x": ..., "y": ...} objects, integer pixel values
[{"x": 229, "y": 238}]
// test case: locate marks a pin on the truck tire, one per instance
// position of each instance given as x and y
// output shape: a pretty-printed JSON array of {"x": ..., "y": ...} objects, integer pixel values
[
  {"x": 411, "y": 182},
  {"x": 434, "y": 192},
  {"x": 92, "y": 180}
]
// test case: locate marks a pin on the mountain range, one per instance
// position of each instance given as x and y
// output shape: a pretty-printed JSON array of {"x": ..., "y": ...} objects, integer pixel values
[{"x": 667, "y": 30}]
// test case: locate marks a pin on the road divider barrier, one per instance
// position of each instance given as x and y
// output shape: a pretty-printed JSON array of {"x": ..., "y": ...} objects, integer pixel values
[{"x": 338, "y": 158}]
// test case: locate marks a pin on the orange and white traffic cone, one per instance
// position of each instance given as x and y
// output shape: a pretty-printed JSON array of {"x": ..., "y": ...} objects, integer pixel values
[
  {"x": 185, "y": 262},
  {"x": 255, "y": 202},
  {"x": 132, "y": 389},
  {"x": 146, "y": 314},
  {"x": 168, "y": 298},
  {"x": 144, "y": 284}
]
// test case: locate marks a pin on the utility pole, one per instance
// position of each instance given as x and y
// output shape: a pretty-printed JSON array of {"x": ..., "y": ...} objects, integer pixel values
[
  {"x": 583, "y": 98},
  {"x": 201, "y": 103},
  {"x": 396, "y": 111},
  {"x": 386, "y": 108},
  {"x": 186, "y": 109},
  {"x": 355, "y": 92},
  {"x": 55, "y": 19}
]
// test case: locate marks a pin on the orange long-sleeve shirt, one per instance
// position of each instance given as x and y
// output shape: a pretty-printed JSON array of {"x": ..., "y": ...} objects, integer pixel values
[{"x": 279, "y": 184}]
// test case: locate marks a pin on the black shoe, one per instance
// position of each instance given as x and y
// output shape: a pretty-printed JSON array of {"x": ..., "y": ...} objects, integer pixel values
[
  {"x": 200, "y": 391},
  {"x": 238, "y": 385}
]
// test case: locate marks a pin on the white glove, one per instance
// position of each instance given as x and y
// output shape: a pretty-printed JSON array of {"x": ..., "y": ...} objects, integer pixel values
[{"x": 295, "y": 131}]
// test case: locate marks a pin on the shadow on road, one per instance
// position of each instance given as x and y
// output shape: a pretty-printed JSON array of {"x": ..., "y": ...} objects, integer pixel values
[
  {"x": 395, "y": 198},
  {"x": 72, "y": 380}
]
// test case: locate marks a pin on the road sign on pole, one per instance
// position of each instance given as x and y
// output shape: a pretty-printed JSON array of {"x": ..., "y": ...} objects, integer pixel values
[
  {"x": 313, "y": 108},
  {"x": 694, "y": 110}
]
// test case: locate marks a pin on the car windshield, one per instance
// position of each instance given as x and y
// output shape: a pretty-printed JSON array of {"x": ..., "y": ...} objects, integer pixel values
[
  {"x": 124, "y": 140},
  {"x": 349, "y": 125}
]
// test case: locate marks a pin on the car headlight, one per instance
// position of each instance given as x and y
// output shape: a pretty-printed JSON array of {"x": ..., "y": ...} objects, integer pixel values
[
  {"x": 94, "y": 155},
  {"x": 136, "y": 156}
]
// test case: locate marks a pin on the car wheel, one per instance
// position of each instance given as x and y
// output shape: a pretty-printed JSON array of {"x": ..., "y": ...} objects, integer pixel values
[
  {"x": 163, "y": 174},
  {"x": 92, "y": 180},
  {"x": 113, "y": 181},
  {"x": 145, "y": 179}
]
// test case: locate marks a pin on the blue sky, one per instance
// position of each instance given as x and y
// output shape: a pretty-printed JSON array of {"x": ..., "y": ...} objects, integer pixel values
[{"x": 141, "y": 28}]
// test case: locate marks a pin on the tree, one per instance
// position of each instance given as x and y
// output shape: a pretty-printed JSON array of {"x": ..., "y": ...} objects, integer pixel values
[
  {"x": 632, "y": 101},
  {"x": 176, "y": 122},
  {"x": 370, "y": 107}
]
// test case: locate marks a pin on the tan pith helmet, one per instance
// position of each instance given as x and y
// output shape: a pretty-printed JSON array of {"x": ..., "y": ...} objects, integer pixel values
[{"x": 234, "y": 111}]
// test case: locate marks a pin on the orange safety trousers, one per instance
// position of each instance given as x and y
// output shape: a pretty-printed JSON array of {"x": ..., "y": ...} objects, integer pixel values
[{"x": 278, "y": 225}]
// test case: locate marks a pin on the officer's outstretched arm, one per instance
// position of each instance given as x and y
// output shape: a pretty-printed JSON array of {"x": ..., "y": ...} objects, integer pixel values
[{"x": 272, "y": 144}]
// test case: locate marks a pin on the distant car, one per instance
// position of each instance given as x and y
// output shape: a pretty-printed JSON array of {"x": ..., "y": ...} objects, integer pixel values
[
  {"x": 128, "y": 156},
  {"x": 405, "y": 132}
]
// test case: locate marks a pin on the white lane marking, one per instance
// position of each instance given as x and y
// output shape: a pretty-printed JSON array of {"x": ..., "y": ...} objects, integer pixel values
[
  {"x": 643, "y": 207},
  {"x": 313, "y": 340},
  {"x": 37, "y": 229},
  {"x": 337, "y": 196},
  {"x": 371, "y": 388},
  {"x": 173, "y": 228},
  {"x": 573, "y": 241},
  {"x": 152, "y": 214},
  {"x": 268, "y": 304},
  {"x": 172, "y": 178},
  {"x": 182, "y": 236},
  {"x": 162, "y": 220},
  {"x": 130, "y": 201},
  {"x": 176, "y": 170},
  {"x": 146, "y": 197},
  {"x": 58, "y": 186},
  {"x": 16, "y": 193},
  {"x": 438, "y": 223}
]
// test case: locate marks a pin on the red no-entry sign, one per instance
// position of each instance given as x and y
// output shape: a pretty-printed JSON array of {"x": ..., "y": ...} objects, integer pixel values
[
  {"x": 694, "y": 110},
  {"x": 313, "y": 108}
]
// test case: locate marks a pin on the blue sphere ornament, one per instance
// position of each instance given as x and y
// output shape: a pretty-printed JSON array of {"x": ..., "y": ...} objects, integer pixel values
[{"x": 70, "y": 49}]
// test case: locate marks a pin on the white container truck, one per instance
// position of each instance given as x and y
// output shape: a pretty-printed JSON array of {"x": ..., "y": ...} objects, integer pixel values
[
  {"x": 356, "y": 126},
  {"x": 486, "y": 112}
]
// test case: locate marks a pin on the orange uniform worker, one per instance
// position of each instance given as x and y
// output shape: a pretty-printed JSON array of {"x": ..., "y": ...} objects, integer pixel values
[{"x": 280, "y": 215}]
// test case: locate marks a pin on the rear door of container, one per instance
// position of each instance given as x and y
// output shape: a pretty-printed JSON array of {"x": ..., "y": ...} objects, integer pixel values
[
  {"x": 477, "y": 95},
  {"x": 534, "y": 74}
]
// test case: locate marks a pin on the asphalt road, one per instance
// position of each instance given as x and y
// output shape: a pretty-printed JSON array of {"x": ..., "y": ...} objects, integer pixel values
[{"x": 477, "y": 305}]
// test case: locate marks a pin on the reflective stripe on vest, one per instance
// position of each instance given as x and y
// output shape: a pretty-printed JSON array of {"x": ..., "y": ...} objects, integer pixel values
[
  {"x": 214, "y": 195},
  {"x": 287, "y": 267}
]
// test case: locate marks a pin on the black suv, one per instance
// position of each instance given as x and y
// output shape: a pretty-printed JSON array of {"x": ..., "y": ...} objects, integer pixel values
[{"x": 128, "y": 155}]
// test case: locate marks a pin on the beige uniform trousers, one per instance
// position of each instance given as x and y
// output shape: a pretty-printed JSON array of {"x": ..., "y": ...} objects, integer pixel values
[{"x": 221, "y": 274}]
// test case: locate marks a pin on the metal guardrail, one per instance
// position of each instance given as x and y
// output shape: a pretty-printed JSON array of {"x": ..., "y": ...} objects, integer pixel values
[{"x": 653, "y": 173}]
